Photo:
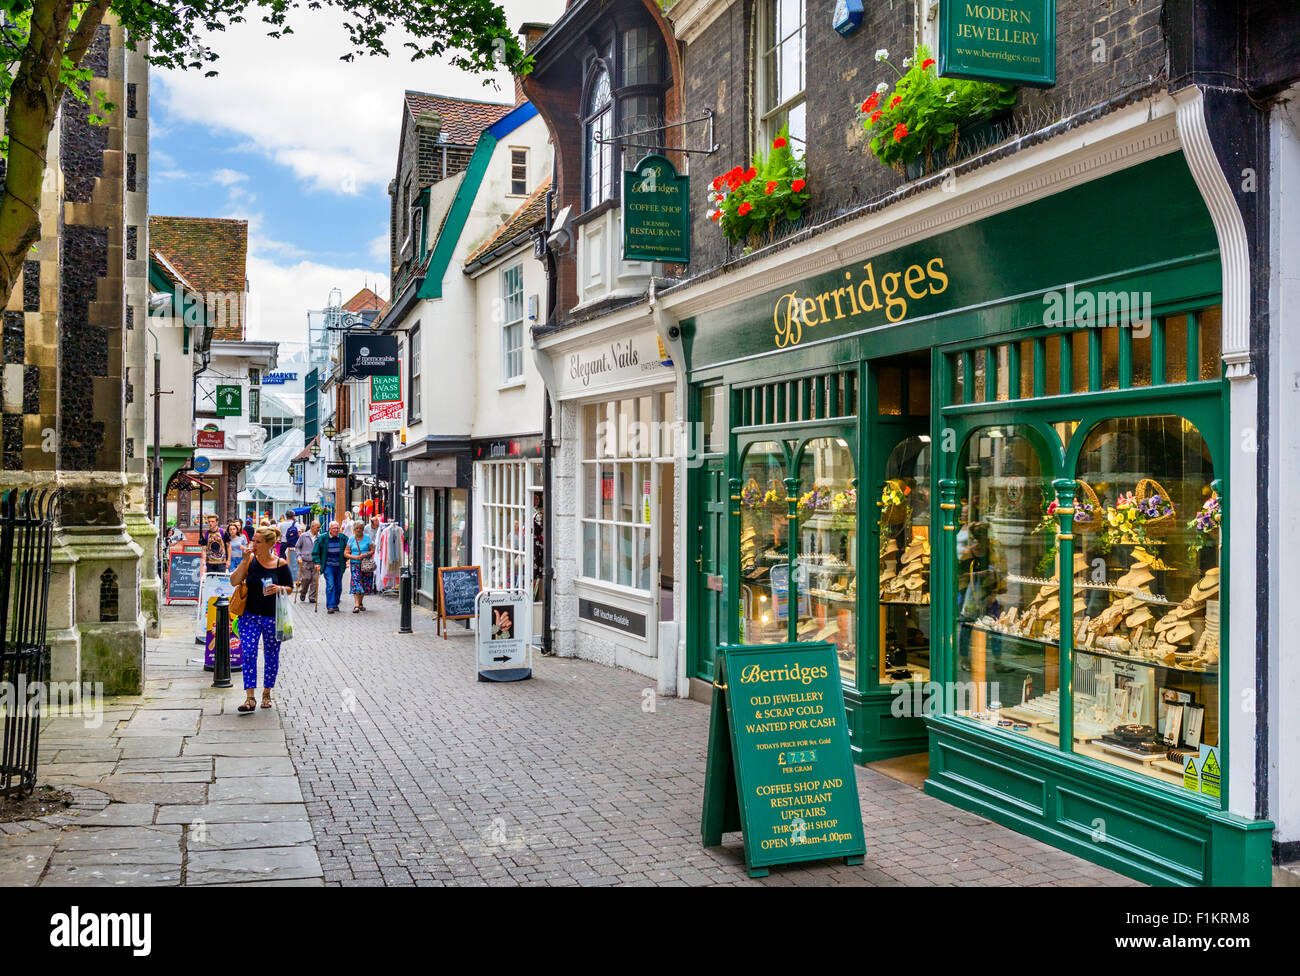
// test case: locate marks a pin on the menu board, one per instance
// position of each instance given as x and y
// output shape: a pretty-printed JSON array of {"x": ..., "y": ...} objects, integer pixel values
[
  {"x": 458, "y": 588},
  {"x": 780, "y": 768},
  {"x": 184, "y": 575}
]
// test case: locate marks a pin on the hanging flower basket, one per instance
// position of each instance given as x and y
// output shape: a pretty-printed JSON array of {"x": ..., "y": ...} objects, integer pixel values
[
  {"x": 894, "y": 505},
  {"x": 749, "y": 203},
  {"x": 1205, "y": 526}
]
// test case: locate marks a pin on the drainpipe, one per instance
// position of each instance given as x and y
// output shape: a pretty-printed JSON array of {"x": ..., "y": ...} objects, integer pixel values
[{"x": 548, "y": 537}]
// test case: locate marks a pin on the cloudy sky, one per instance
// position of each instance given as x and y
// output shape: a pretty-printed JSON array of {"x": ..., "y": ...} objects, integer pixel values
[{"x": 302, "y": 146}]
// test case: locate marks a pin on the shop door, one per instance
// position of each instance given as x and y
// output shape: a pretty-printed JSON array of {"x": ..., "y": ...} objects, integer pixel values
[{"x": 705, "y": 606}]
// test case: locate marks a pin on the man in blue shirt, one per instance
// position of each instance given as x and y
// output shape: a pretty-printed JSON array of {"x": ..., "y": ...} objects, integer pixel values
[{"x": 328, "y": 555}]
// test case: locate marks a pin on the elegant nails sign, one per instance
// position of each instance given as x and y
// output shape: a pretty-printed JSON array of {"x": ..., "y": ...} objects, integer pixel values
[{"x": 1012, "y": 42}]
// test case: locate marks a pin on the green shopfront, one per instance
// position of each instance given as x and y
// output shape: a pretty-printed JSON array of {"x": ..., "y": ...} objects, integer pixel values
[{"x": 902, "y": 450}]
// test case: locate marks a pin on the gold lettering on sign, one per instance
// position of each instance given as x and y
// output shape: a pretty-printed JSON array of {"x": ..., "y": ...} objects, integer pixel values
[{"x": 891, "y": 292}]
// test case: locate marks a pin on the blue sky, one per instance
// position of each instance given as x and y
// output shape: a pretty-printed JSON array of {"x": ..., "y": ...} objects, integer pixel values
[{"x": 301, "y": 145}]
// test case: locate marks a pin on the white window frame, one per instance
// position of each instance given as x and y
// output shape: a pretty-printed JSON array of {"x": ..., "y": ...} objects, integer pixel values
[
  {"x": 415, "y": 352},
  {"x": 506, "y": 524},
  {"x": 628, "y": 462},
  {"x": 512, "y": 324},
  {"x": 521, "y": 151},
  {"x": 767, "y": 127}
]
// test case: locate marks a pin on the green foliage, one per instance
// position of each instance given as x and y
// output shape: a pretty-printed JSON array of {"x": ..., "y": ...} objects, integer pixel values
[
  {"x": 924, "y": 112},
  {"x": 747, "y": 203}
]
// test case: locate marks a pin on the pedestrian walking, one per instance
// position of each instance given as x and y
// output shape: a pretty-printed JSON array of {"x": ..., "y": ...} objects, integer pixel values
[
  {"x": 328, "y": 555},
  {"x": 307, "y": 573},
  {"x": 361, "y": 554},
  {"x": 289, "y": 548},
  {"x": 237, "y": 543},
  {"x": 216, "y": 547},
  {"x": 266, "y": 576},
  {"x": 345, "y": 526}
]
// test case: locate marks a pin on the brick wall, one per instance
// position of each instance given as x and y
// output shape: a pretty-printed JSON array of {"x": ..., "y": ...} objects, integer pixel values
[{"x": 1104, "y": 47}]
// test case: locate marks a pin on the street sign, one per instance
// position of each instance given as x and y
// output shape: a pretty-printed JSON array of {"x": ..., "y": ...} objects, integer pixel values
[
  {"x": 201, "y": 463},
  {"x": 1010, "y": 42},
  {"x": 656, "y": 222},
  {"x": 779, "y": 767},
  {"x": 504, "y": 619},
  {"x": 230, "y": 400}
]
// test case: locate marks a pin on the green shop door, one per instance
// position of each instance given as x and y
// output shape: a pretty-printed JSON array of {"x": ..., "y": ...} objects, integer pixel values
[{"x": 707, "y": 560}]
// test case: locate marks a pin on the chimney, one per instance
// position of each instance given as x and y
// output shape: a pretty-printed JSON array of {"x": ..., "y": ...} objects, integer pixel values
[{"x": 531, "y": 33}]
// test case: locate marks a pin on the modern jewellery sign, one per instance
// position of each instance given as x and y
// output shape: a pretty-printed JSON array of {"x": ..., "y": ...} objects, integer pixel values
[
  {"x": 656, "y": 224},
  {"x": 1008, "y": 41}
]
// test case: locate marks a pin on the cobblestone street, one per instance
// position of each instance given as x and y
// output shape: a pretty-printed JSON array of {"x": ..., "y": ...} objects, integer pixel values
[{"x": 413, "y": 772}]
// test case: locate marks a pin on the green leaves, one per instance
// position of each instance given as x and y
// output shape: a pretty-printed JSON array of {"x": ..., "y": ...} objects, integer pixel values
[
  {"x": 749, "y": 203},
  {"x": 924, "y": 113}
]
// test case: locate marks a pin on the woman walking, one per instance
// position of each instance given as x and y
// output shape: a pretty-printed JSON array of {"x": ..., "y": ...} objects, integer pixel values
[
  {"x": 361, "y": 554},
  {"x": 238, "y": 542},
  {"x": 266, "y": 576}
]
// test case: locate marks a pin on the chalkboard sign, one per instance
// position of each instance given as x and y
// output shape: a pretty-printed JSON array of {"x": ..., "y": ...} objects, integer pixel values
[
  {"x": 458, "y": 588},
  {"x": 780, "y": 768},
  {"x": 184, "y": 575}
]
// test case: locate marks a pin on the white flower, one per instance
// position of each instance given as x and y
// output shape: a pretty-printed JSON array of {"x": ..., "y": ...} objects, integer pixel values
[
  {"x": 951, "y": 96},
  {"x": 907, "y": 62},
  {"x": 882, "y": 88},
  {"x": 882, "y": 55}
]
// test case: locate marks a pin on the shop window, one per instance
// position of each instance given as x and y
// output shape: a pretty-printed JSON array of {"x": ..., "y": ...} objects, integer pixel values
[
  {"x": 620, "y": 442},
  {"x": 1007, "y": 587},
  {"x": 1146, "y": 647},
  {"x": 828, "y": 396},
  {"x": 827, "y": 565},
  {"x": 504, "y": 507},
  {"x": 713, "y": 412},
  {"x": 904, "y": 521},
  {"x": 781, "y": 71},
  {"x": 764, "y": 545}
]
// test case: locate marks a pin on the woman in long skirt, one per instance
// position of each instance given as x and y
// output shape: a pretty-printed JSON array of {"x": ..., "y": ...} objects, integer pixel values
[{"x": 361, "y": 555}]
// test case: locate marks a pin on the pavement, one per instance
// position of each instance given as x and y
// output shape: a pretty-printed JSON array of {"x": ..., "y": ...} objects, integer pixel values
[{"x": 386, "y": 763}]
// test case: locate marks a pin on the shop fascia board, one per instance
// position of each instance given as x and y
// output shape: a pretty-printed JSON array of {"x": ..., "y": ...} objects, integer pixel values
[
  {"x": 548, "y": 348},
  {"x": 1125, "y": 138}
]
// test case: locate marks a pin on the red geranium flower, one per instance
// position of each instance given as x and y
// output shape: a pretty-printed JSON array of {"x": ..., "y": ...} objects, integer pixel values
[
  {"x": 875, "y": 116},
  {"x": 797, "y": 185},
  {"x": 926, "y": 63},
  {"x": 900, "y": 131},
  {"x": 750, "y": 174},
  {"x": 715, "y": 215},
  {"x": 778, "y": 143},
  {"x": 895, "y": 101},
  {"x": 872, "y": 101},
  {"x": 771, "y": 187},
  {"x": 744, "y": 208},
  {"x": 717, "y": 182}
]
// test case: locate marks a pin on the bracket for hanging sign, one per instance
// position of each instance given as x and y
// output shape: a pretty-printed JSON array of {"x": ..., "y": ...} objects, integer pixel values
[{"x": 706, "y": 117}]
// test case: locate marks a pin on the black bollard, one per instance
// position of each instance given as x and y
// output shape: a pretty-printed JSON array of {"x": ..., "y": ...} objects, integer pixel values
[
  {"x": 404, "y": 593},
  {"x": 221, "y": 651}
]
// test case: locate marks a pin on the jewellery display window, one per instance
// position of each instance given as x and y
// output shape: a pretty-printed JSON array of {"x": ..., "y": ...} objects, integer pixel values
[
  {"x": 904, "y": 590},
  {"x": 827, "y": 513},
  {"x": 1008, "y": 588},
  {"x": 1146, "y": 648},
  {"x": 764, "y": 545}
]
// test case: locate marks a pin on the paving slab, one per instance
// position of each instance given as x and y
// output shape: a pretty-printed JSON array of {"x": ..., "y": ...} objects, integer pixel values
[
  {"x": 236, "y": 836},
  {"x": 151, "y": 746},
  {"x": 154, "y": 793},
  {"x": 74, "y": 870},
  {"x": 93, "y": 754},
  {"x": 255, "y": 789},
  {"x": 254, "y": 766},
  {"x": 241, "y": 748},
  {"x": 230, "y": 812},
  {"x": 261, "y": 864},
  {"x": 180, "y": 721},
  {"x": 21, "y": 866},
  {"x": 165, "y": 837},
  {"x": 263, "y": 718},
  {"x": 115, "y": 814}
]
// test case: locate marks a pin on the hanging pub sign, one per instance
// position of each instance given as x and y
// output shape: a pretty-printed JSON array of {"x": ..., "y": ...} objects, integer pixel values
[
  {"x": 230, "y": 400},
  {"x": 369, "y": 354},
  {"x": 656, "y": 223},
  {"x": 210, "y": 437},
  {"x": 385, "y": 412},
  {"x": 1011, "y": 42},
  {"x": 779, "y": 766},
  {"x": 336, "y": 469}
]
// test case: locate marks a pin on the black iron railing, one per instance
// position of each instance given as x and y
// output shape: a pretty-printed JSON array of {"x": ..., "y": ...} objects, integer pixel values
[{"x": 26, "y": 537}]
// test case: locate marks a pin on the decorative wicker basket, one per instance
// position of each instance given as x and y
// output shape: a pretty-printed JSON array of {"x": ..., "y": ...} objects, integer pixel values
[
  {"x": 894, "y": 514},
  {"x": 1087, "y": 496},
  {"x": 1163, "y": 524}
]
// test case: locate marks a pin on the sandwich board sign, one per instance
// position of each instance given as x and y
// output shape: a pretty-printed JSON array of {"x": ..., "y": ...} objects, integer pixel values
[
  {"x": 501, "y": 637},
  {"x": 458, "y": 590},
  {"x": 780, "y": 768}
]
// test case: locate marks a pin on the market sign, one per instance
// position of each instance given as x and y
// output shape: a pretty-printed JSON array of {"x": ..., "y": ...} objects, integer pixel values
[
  {"x": 656, "y": 222},
  {"x": 385, "y": 402},
  {"x": 369, "y": 354},
  {"x": 279, "y": 378},
  {"x": 779, "y": 768},
  {"x": 210, "y": 437},
  {"x": 1011, "y": 42},
  {"x": 230, "y": 400}
]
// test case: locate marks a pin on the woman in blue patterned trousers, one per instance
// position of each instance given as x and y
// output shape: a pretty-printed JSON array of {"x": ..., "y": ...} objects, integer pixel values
[{"x": 267, "y": 576}]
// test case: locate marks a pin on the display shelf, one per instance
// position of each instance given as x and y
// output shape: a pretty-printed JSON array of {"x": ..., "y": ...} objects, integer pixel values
[
  {"x": 1146, "y": 662},
  {"x": 1021, "y": 637}
]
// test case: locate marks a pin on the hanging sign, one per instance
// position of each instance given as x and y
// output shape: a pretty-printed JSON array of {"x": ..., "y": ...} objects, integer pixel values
[
  {"x": 230, "y": 402},
  {"x": 656, "y": 224},
  {"x": 336, "y": 469},
  {"x": 501, "y": 637},
  {"x": 369, "y": 354},
  {"x": 1012, "y": 42},
  {"x": 385, "y": 402},
  {"x": 210, "y": 437},
  {"x": 779, "y": 766}
]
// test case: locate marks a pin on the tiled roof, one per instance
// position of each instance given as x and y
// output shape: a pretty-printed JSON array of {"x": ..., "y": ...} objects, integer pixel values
[
  {"x": 365, "y": 301},
  {"x": 212, "y": 255},
  {"x": 462, "y": 118},
  {"x": 531, "y": 211}
]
